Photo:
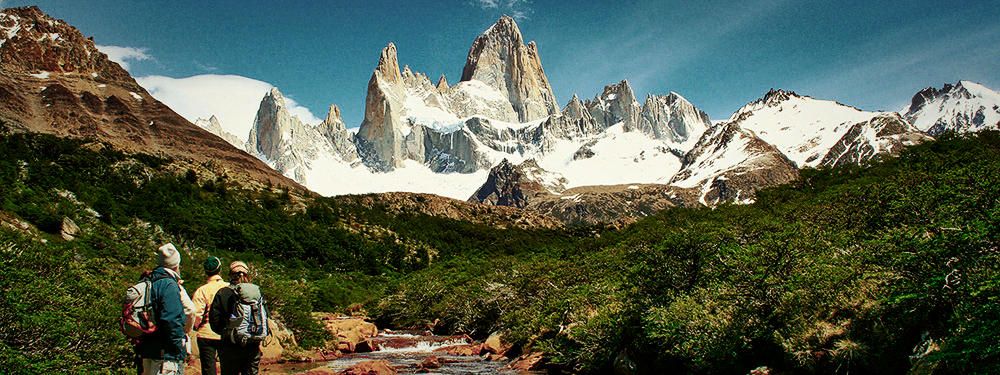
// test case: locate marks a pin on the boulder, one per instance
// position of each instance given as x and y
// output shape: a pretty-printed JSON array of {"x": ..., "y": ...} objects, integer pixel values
[
  {"x": 349, "y": 335},
  {"x": 319, "y": 371},
  {"x": 528, "y": 362},
  {"x": 461, "y": 350},
  {"x": 495, "y": 344},
  {"x": 429, "y": 363},
  {"x": 370, "y": 368},
  {"x": 274, "y": 346},
  {"x": 69, "y": 229}
]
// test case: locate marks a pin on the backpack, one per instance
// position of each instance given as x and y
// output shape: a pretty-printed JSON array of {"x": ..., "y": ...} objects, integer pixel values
[
  {"x": 138, "y": 315},
  {"x": 248, "y": 322}
]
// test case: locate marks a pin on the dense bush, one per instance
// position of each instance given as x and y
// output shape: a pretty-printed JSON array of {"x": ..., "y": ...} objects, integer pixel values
[{"x": 889, "y": 268}]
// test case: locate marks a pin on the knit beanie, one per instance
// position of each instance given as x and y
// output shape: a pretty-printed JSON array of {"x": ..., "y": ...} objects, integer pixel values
[
  {"x": 212, "y": 265},
  {"x": 168, "y": 255},
  {"x": 238, "y": 267}
]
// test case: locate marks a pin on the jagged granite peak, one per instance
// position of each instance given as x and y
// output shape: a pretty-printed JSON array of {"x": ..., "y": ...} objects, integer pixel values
[
  {"x": 575, "y": 109},
  {"x": 729, "y": 164},
  {"x": 673, "y": 118},
  {"x": 380, "y": 136},
  {"x": 388, "y": 64},
  {"x": 886, "y": 134},
  {"x": 442, "y": 84},
  {"x": 963, "y": 107},
  {"x": 290, "y": 146},
  {"x": 616, "y": 104},
  {"x": 500, "y": 59},
  {"x": 213, "y": 126},
  {"x": 517, "y": 185}
]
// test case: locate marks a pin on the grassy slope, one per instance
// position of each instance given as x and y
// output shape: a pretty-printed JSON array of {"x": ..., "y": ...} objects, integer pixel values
[{"x": 848, "y": 269}]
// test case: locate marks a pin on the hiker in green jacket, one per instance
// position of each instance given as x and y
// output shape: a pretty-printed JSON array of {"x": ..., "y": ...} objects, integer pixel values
[{"x": 164, "y": 351}]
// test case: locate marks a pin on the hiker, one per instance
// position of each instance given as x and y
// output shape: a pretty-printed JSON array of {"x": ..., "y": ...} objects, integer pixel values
[
  {"x": 164, "y": 350},
  {"x": 208, "y": 340},
  {"x": 238, "y": 313}
]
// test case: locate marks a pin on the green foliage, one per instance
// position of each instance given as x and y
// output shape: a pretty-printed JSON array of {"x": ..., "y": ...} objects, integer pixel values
[
  {"x": 880, "y": 269},
  {"x": 884, "y": 269}
]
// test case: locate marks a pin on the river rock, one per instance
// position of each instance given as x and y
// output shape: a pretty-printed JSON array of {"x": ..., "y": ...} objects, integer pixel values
[
  {"x": 370, "y": 368},
  {"x": 495, "y": 344},
  {"x": 350, "y": 335},
  {"x": 528, "y": 362},
  {"x": 430, "y": 363},
  {"x": 465, "y": 350}
]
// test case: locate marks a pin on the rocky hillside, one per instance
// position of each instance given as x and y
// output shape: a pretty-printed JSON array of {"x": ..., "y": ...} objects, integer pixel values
[
  {"x": 963, "y": 107},
  {"x": 54, "y": 80}
]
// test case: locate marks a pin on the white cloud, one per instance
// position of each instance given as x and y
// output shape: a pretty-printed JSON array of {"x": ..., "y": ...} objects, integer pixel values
[
  {"x": 122, "y": 55},
  {"x": 518, "y": 9},
  {"x": 233, "y": 99}
]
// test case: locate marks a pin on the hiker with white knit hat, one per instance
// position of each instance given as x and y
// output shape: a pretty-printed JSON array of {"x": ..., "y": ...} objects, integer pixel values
[{"x": 165, "y": 350}]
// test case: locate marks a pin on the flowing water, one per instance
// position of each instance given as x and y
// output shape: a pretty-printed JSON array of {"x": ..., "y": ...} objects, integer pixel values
[{"x": 407, "y": 350}]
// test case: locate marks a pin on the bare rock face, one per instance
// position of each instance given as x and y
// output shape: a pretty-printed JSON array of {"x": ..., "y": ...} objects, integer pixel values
[
  {"x": 442, "y": 84},
  {"x": 380, "y": 136},
  {"x": 213, "y": 126},
  {"x": 616, "y": 104},
  {"x": 500, "y": 59},
  {"x": 517, "y": 185},
  {"x": 86, "y": 95},
  {"x": 886, "y": 134},
  {"x": 963, "y": 107},
  {"x": 335, "y": 131},
  {"x": 673, "y": 118},
  {"x": 290, "y": 146},
  {"x": 729, "y": 164}
]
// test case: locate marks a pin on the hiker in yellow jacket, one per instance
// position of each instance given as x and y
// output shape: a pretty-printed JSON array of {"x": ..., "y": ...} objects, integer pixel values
[{"x": 208, "y": 340}]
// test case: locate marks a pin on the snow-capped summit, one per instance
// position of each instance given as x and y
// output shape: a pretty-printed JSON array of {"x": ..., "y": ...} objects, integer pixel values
[
  {"x": 963, "y": 107},
  {"x": 213, "y": 126},
  {"x": 729, "y": 163},
  {"x": 674, "y": 119},
  {"x": 500, "y": 59},
  {"x": 803, "y": 128}
]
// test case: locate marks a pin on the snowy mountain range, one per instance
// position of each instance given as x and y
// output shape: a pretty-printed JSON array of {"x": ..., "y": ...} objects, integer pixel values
[
  {"x": 496, "y": 136},
  {"x": 418, "y": 136}
]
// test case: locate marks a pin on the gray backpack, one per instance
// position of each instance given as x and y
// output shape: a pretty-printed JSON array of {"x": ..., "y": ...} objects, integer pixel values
[{"x": 248, "y": 322}]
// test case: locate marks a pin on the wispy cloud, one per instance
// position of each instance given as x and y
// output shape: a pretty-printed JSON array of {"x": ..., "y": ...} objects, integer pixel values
[
  {"x": 123, "y": 55},
  {"x": 233, "y": 99},
  {"x": 519, "y": 9}
]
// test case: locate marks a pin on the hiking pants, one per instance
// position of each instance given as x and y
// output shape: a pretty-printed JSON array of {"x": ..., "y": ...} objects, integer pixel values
[
  {"x": 207, "y": 353},
  {"x": 239, "y": 360}
]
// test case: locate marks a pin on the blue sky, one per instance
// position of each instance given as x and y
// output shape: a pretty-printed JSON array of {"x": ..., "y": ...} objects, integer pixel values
[{"x": 870, "y": 54}]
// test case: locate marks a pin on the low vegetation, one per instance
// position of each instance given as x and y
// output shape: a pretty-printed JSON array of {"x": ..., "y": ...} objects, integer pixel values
[{"x": 889, "y": 268}]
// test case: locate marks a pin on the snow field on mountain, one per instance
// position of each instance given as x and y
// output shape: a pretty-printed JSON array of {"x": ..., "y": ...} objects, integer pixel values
[
  {"x": 803, "y": 128},
  {"x": 619, "y": 158},
  {"x": 330, "y": 176}
]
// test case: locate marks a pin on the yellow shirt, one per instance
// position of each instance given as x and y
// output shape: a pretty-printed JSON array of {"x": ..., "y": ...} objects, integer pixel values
[{"x": 202, "y": 301}]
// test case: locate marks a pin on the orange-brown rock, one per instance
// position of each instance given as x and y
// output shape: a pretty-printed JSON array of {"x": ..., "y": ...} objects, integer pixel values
[
  {"x": 349, "y": 335},
  {"x": 319, "y": 371},
  {"x": 495, "y": 344},
  {"x": 430, "y": 363},
  {"x": 461, "y": 350},
  {"x": 370, "y": 368},
  {"x": 528, "y": 362}
]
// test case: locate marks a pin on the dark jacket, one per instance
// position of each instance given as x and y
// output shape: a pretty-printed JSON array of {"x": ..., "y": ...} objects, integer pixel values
[
  {"x": 223, "y": 307},
  {"x": 168, "y": 340}
]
